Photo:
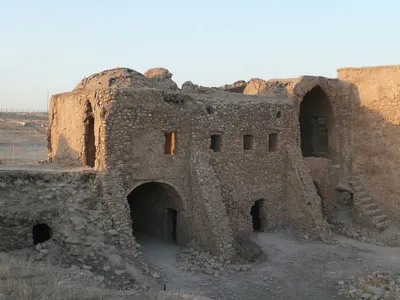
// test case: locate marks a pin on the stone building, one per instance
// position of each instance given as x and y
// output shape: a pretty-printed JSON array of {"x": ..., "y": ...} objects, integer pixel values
[
  {"x": 352, "y": 121},
  {"x": 195, "y": 164},
  {"x": 208, "y": 165}
]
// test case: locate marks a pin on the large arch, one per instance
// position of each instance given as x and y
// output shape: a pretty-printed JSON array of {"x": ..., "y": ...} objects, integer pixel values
[
  {"x": 156, "y": 211},
  {"x": 316, "y": 123}
]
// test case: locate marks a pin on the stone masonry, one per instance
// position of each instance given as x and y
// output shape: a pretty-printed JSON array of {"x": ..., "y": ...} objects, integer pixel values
[
  {"x": 363, "y": 134},
  {"x": 207, "y": 165},
  {"x": 203, "y": 165}
]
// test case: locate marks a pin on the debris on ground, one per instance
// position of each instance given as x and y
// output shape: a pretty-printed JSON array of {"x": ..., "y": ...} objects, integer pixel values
[
  {"x": 197, "y": 261},
  {"x": 376, "y": 285}
]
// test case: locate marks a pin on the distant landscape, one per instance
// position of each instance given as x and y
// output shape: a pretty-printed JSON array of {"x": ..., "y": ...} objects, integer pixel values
[{"x": 23, "y": 137}]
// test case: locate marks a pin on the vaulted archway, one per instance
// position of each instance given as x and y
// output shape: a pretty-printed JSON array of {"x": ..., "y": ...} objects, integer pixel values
[
  {"x": 155, "y": 210},
  {"x": 316, "y": 122}
]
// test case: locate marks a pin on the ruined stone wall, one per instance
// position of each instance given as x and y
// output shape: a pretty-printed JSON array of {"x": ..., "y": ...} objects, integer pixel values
[
  {"x": 340, "y": 95},
  {"x": 66, "y": 134},
  {"x": 135, "y": 154},
  {"x": 320, "y": 170},
  {"x": 304, "y": 204},
  {"x": 376, "y": 132},
  {"x": 74, "y": 206},
  {"x": 245, "y": 176},
  {"x": 69, "y": 203},
  {"x": 217, "y": 189},
  {"x": 136, "y": 126}
]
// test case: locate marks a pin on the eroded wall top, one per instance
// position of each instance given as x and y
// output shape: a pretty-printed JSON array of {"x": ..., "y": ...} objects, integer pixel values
[{"x": 128, "y": 78}]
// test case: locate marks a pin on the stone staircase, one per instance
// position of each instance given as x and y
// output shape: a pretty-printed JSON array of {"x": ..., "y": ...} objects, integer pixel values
[{"x": 366, "y": 207}]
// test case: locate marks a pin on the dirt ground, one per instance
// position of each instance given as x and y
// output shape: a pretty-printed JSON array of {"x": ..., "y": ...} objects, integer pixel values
[{"x": 295, "y": 269}]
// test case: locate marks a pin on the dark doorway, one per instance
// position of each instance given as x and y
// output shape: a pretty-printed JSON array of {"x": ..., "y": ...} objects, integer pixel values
[
  {"x": 41, "y": 233},
  {"x": 154, "y": 209},
  {"x": 90, "y": 147},
  {"x": 316, "y": 120},
  {"x": 172, "y": 217},
  {"x": 256, "y": 215}
]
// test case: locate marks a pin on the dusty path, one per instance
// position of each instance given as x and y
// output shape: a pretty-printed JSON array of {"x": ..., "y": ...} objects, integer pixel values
[{"x": 295, "y": 270}]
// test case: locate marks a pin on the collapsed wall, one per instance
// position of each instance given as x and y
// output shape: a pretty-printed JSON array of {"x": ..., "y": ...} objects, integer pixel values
[
  {"x": 304, "y": 204},
  {"x": 69, "y": 203},
  {"x": 67, "y": 209}
]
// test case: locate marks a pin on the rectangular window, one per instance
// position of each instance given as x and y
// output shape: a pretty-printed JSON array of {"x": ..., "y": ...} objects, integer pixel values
[
  {"x": 272, "y": 142},
  {"x": 170, "y": 143},
  {"x": 247, "y": 142},
  {"x": 215, "y": 143}
]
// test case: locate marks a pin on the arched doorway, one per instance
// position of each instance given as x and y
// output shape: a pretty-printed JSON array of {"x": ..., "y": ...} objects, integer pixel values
[
  {"x": 90, "y": 147},
  {"x": 155, "y": 210},
  {"x": 316, "y": 118}
]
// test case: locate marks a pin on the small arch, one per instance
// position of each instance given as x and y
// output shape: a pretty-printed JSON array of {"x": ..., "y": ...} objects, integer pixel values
[
  {"x": 89, "y": 138},
  {"x": 316, "y": 123},
  {"x": 278, "y": 114},
  {"x": 156, "y": 211},
  {"x": 41, "y": 233}
]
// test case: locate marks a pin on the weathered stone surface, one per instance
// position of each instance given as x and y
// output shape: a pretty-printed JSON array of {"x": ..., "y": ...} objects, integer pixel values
[
  {"x": 320, "y": 173},
  {"x": 162, "y": 78},
  {"x": 122, "y": 128},
  {"x": 236, "y": 87},
  {"x": 255, "y": 86},
  {"x": 114, "y": 78},
  {"x": 376, "y": 132},
  {"x": 158, "y": 73}
]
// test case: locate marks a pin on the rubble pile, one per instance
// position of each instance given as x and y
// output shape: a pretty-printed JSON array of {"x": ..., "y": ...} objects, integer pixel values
[
  {"x": 196, "y": 261},
  {"x": 376, "y": 285}
]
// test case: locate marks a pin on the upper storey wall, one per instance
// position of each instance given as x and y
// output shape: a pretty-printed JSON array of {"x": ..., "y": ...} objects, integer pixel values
[
  {"x": 76, "y": 127},
  {"x": 139, "y": 119},
  {"x": 339, "y": 97},
  {"x": 76, "y": 131}
]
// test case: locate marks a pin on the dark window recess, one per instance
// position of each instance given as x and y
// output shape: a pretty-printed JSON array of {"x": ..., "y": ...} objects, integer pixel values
[
  {"x": 215, "y": 143},
  {"x": 247, "y": 142},
  {"x": 272, "y": 142}
]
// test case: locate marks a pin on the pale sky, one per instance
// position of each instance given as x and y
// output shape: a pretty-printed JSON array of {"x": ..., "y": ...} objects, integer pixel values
[{"x": 50, "y": 45}]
